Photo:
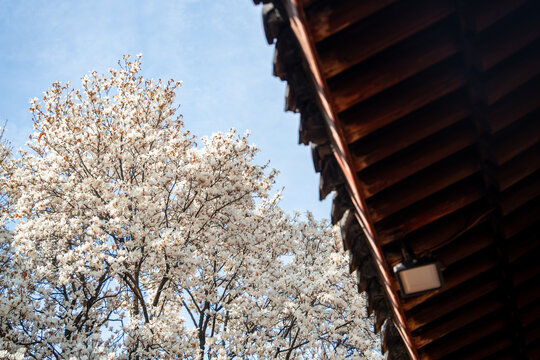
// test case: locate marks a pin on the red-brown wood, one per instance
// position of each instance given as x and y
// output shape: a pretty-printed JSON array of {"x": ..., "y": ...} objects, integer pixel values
[
  {"x": 402, "y": 99},
  {"x": 528, "y": 293},
  {"x": 508, "y": 36},
  {"x": 378, "y": 32},
  {"x": 427, "y": 152},
  {"x": 534, "y": 350},
  {"x": 454, "y": 300},
  {"x": 508, "y": 353},
  {"x": 492, "y": 347},
  {"x": 463, "y": 247},
  {"x": 394, "y": 65},
  {"x": 453, "y": 321},
  {"x": 530, "y": 313},
  {"x": 457, "y": 274},
  {"x": 520, "y": 193},
  {"x": 469, "y": 221},
  {"x": 465, "y": 336},
  {"x": 446, "y": 253},
  {"x": 521, "y": 218},
  {"x": 522, "y": 243},
  {"x": 422, "y": 185},
  {"x": 484, "y": 13},
  {"x": 438, "y": 104},
  {"x": 519, "y": 167},
  {"x": 516, "y": 139},
  {"x": 428, "y": 210},
  {"x": 527, "y": 268},
  {"x": 418, "y": 125},
  {"x": 328, "y": 18},
  {"x": 532, "y": 332},
  {"x": 511, "y": 74},
  {"x": 514, "y": 106}
]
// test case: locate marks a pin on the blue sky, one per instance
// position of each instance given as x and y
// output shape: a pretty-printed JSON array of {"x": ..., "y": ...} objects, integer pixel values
[{"x": 217, "y": 48}]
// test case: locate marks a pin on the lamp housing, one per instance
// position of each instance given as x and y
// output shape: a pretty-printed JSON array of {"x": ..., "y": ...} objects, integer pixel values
[{"x": 417, "y": 276}]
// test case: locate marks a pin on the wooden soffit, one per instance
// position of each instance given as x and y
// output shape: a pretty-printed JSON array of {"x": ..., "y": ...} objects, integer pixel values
[{"x": 424, "y": 119}]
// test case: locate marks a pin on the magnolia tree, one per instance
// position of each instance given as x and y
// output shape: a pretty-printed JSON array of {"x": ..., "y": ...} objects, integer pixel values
[{"x": 135, "y": 240}]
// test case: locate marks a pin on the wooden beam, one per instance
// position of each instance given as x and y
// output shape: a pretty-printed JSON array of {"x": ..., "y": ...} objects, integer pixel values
[
  {"x": 457, "y": 274},
  {"x": 528, "y": 292},
  {"x": 298, "y": 25},
  {"x": 514, "y": 106},
  {"x": 511, "y": 74},
  {"x": 467, "y": 224},
  {"x": 527, "y": 268},
  {"x": 458, "y": 319},
  {"x": 423, "y": 184},
  {"x": 306, "y": 3},
  {"x": 394, "y": 65},
  {"x": 518, "y": 168},
  {"x": 522, "y": 218},
  {"x": 485, "y": 13},
  {"x": 457, "y": 250},
  {"x": 444, "y": 239},
  {"x": 423, "y": 154},
  {"x": 489, "y": 348},
  {"x": 534, "y": 350},
  {"x": 530, "y": 313},
  {"x": 451, "y": 301},
  {"x": 417, "y": 126},
  {"x": 327, "y": 18},
  {"x": 463, "y": 247},
  {"x": 522, "y": 243},
  {"x": 403, "y": 99},
  {"x": 520, "y": 193},
  {"x": 532, "y": 332},
  {"x": 378, "y": 32},
  {"x": 515, "y": 139},
  {"x": 430, "y": 209},
  {"x": 508, "y": 36},
  {"x": 474, "y": 332},
  {"x": 508, "y": 353}
]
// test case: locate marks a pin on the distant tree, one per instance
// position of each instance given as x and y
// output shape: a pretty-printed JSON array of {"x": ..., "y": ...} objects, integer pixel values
[{"x": 133, "y": 241}]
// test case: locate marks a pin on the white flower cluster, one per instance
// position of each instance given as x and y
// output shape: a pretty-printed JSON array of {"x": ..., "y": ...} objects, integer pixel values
[{"x": 132, "y": 242}]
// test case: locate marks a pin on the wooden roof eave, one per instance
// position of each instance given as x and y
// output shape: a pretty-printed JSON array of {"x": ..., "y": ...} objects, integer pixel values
[
  {"x": 292, "y": 12},
  {"x": 442, "y": 126}
]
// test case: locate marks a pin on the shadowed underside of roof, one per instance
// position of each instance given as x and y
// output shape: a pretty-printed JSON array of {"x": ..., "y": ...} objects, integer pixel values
[{"x": 424, "y": 119}]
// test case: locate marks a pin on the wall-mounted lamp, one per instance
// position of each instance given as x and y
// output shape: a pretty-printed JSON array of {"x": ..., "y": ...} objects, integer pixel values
[{"x": 416, "y": 276}]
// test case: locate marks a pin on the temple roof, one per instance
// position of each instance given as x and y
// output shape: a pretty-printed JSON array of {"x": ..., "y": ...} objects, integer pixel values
[{"x": 423, "y": 118}]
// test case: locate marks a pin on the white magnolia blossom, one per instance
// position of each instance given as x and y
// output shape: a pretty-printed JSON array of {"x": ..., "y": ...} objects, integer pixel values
[{"x": 132, "y": 241}]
